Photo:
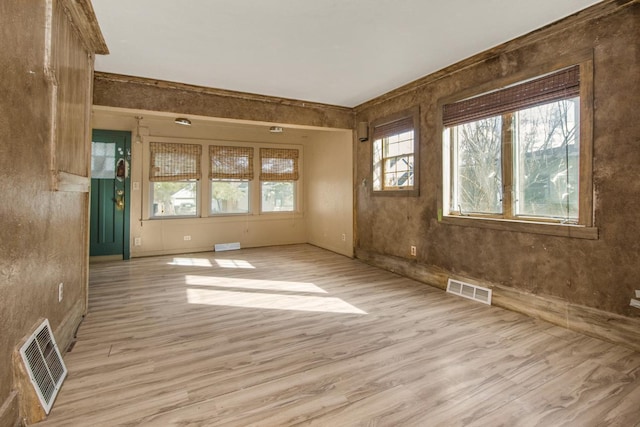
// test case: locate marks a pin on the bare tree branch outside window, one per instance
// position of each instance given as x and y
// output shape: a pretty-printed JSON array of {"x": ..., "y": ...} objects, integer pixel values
[{"x": 544, "y": 170}]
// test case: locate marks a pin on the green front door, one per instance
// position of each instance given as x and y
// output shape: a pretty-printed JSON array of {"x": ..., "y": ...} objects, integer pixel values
[{"x": 110, "y": 158}]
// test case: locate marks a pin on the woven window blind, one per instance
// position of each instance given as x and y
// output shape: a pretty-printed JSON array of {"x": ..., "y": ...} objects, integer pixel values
[
  {"x": 229, "y": 162},
  {"x": 553, "y": 87},
  {"x": 393, "y": 128},
  {"x": 279, "y": 164},
  {"x": 174, "y": 162}
]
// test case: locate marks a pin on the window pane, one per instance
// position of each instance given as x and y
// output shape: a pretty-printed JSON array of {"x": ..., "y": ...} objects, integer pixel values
[
  {"x": 377, "y": 164},
  {"x": 547, "y": 160},
  {"x": 230, "y": 162},
  {"x": 177, "y": 198},
  {"x": 477, "y": 177},
  {"x": 393, "y": 160},
  {"x": 279, "y": 164},
  {"x": 229, "y": 197},
  {"x": 174, "y": 162},
  {"x": 399, "y": 144},
  {"x": 278, "y": 196},
  {"x": 398, "y": 171},
  {"x": 103, "y": 160}
]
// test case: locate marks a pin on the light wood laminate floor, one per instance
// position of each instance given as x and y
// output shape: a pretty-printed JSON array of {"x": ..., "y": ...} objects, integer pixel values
[{"x": 297, "y": 335}]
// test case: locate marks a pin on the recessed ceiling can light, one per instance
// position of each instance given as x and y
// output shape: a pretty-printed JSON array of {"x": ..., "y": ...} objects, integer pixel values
[
  {"x": 183, "y": 121},
  {"x": 275, "y": 129}
]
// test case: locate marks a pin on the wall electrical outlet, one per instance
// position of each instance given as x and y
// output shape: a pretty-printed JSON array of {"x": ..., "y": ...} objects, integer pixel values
[
  {"x": 187, "y": 237},
  {"x": 136, "y": 186},
  {"x": 638, "y": 293},
  {"x": 60, "y": 289},
  {"x": 344, "y": 237},
  {"x": 137, "y": 241},
  {"x": 413, "y": 251}
]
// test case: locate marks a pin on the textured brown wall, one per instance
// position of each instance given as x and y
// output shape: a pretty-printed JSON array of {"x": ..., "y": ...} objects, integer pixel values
[
  {"x": 42, "y": 232},
  {"x": 144, "y": 94},
  {"x": 599, "y": 273}
]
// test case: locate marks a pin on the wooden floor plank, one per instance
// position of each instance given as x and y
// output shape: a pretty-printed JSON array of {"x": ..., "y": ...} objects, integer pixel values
[{"x": 297, "y": 335}]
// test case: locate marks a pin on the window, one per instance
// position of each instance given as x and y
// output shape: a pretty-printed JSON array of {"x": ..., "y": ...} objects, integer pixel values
[
  {"x": 231, "y": 170},
  {"x": 174, "y": 176},
  {"x": 103, "y": 160},
  {"x": 278, "y": 176},
  {"x": 395, "y": 154},
  {"x": 517, "y": 153}
]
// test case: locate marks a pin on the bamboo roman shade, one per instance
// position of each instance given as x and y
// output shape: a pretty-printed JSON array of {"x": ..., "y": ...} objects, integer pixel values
[
  {"x": 279, "y": 164},
  {"x": 552, "y": 87},
  {"x": 174, "y": 162},
  {"x": 395, "y": 127},
  {"x": 229, "y": 162}
]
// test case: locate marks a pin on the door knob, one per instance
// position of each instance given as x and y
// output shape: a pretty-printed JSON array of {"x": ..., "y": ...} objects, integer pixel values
[{"x": 119, "y": 200}]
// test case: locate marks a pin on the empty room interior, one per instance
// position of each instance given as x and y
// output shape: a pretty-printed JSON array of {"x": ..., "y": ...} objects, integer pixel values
[{"x": 320, "y": 213}]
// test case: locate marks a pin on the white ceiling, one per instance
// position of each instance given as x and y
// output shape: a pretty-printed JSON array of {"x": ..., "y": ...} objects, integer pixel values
[{"x": 341, "y": 52}]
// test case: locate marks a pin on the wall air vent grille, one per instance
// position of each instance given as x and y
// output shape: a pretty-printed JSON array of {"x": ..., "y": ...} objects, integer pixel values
[
  {"x": 466, "y": 290},
  {"x": 44, "y": 364}
]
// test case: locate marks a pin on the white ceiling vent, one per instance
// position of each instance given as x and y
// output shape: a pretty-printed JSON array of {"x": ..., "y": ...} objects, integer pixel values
[
  {"x": 44, "y": 364},
  {"x": 467, "y": 290}
]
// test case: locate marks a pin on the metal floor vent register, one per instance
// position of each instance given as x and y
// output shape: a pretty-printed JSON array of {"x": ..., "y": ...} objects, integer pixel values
[
  {"x": 219, "y": 247},
  {"x": 467, "y": 290},
  {"x": 44, "y": 364}
]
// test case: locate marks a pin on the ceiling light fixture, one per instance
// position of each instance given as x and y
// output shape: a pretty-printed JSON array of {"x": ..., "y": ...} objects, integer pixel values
[
  {"x": 183, "y": 121},
  {"x": 138, "y": 139},
  {"x": 275, "y": 129}
]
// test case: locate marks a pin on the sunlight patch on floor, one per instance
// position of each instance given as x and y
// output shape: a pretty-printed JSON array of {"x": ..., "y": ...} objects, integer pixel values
[
  {"x": 233, "y": 263},
  {"x": 270, "y": 301},
  {"x": 266, "y": 285},
  {"x": 197, "y": 262}
]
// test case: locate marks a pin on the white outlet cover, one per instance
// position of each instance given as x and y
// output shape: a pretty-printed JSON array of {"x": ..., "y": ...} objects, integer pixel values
[
  {"x": 136, "y": 185},
  {"x": 638, "y": 293}
]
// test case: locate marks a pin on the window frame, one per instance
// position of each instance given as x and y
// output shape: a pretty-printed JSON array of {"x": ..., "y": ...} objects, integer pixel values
[
  {"x": 584, "y": 228},
  {"x": 231, "y": 174},
  {"x": 193, "y": 176},
  {"x": 292, "y": 177},
  {"x": 142, "y": 172},
  {"x": 414, "y": 191}
]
